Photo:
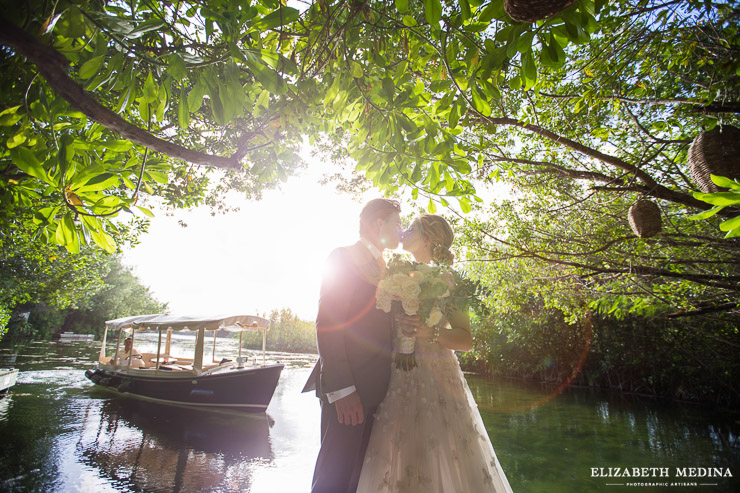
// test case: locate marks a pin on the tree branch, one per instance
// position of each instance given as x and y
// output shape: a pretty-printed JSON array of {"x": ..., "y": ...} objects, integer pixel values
[
  {"x": 52, "y": 65},
  {"x": 723, "y": 307},
  {"x": 650, "y": 187},
  {"x": 586, "y": 175},
  {"x": 718, "y": 108}
]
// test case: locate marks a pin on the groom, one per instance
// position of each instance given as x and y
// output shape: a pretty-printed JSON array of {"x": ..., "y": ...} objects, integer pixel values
[{"x": 354, "y": 342}]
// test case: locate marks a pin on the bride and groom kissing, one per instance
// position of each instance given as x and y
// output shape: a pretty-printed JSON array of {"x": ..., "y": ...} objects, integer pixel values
[{"x": 388, "y": 429}]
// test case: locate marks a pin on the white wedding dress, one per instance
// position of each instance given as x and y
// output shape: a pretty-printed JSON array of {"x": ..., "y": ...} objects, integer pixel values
[{"x": 428, "y": 434}]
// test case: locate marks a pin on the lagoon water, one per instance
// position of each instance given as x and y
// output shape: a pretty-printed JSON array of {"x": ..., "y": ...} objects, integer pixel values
[{"x": 58, "y": 432}]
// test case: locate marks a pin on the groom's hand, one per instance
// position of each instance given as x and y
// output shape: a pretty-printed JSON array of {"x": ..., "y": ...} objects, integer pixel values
[{"x": 349, "y": 409}]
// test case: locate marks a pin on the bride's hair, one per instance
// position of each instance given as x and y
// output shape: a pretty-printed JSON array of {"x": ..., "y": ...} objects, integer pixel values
[{"x": 438, "y": 231}]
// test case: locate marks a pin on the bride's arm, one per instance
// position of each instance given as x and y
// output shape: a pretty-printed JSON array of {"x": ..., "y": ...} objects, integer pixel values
[{"x": 457, "y": 337}]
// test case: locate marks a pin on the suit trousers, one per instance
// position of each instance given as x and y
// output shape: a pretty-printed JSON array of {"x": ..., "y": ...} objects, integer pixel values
[{"x": 342, "y": 451}]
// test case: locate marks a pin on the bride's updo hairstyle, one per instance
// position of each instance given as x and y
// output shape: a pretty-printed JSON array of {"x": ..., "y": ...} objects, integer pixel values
[{"x": 436, "y": 229}]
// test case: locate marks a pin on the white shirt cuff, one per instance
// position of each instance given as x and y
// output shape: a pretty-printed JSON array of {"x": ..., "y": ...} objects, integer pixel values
[{"x": 335, "y": 396}]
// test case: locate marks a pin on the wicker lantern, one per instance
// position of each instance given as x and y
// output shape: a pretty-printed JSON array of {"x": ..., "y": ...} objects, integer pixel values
[
  {"x": 644, "y": 217},
  {"x": 716, "y": 152},
  {"x": 535, "y": 10}
]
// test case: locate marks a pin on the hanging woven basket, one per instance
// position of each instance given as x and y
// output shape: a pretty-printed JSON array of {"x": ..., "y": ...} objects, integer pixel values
[
  {"x": 644, "y": 217},
  {"x": 535, "y": 10},
  {"x": 716, "y": 152}
]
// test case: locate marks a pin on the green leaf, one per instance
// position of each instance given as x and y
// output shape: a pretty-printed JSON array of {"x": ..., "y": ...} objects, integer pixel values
[
  {"x": 16, "y": 140},
  {"x": 529, "y": 70},
  {"x": 91, "y": 67},
  {"x": 524, "y": 43},
  {"x": 99, "y": 182},
  {"x": 494, "y": 59},
  {"x": 464, "y": 204},
  {"x": 730, "y": 224},
  {"x": 480, "y": 103},
  {"x": 433, "y": 12},
  {"x": 706, "y": 214},
  {"x": 453, "y": 117},
  {"x": 145, "y": 211},
  {"x": 722, "y": 181},
  {"x": 263, "y": 99},
  {"x": 389, "y": 89},
  {"x": 117, "y": 145},
  {"x": 462, "y": 166},
  {"x": 99, "y": 236},
  {"x": 465, "y": 9},
  {"x": 183, "y": 113},
  {"x": 402, "y": 5},
  {"x": 176, "y": 67},
  {"x": 195, "y": 96},
  {"x": 158, "y": 176},
  {"x": 431, "y": 207},
  {"x": 10, "y": 116},
  {"x": 269, "y": 78},
  {"x": 29, "y": 163},
  {"x": 449, "y": 181},
  {"x": 357, "y": 71},
  {"x": 145, "y": 27},
  {"x": 440, "y": 85},
  {"x": 73, "y": 246},
  {"x": 408, "y": 21},
  {"x": 280, "y": 17},
  {"x": 719, "y": 198},
  {"x": 150, "y": 90},
  {"x": 494, "y": 10},
  {"x": 216, "y": 106}
]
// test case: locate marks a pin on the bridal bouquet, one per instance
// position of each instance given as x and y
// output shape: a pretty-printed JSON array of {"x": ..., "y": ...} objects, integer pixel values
[{"x": 432, "y": 292}]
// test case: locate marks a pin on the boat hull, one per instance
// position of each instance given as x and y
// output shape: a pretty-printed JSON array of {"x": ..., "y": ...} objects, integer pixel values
[
  {"x": 7, "y": 379},
  {"x": 242, "y": 390}
]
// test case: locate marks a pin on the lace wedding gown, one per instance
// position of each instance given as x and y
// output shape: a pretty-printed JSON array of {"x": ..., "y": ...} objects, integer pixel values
[{"x": 428, "y": 435}]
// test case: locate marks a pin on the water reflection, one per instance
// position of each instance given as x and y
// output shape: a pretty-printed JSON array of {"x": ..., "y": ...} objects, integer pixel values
[
  {"x": 582, "y": 429},
  {"x": 60, "y": 433},
  {"x": 5, "y": 400},
  {"x": 152, "y": 447}
]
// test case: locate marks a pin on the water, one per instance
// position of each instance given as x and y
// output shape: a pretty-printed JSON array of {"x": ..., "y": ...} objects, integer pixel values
[{"x": 58, "y": 432}]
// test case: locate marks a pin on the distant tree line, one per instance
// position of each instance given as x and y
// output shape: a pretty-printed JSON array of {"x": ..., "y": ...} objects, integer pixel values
[
  {"x": 287, "y": 333},
  {"x": 680, "y": 359},
  {"x": 76, "y": 293}
]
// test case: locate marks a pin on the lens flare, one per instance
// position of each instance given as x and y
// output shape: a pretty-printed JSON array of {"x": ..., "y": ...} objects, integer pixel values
[{"x": 559, "y": 390}]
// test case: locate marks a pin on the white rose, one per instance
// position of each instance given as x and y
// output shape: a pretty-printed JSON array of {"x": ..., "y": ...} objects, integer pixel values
[
  {"x": 409, "y": 288},
  {"x": 434, "y": 317},
  {"x": 396, "y": 282},
  {"x": 383, "y": 302},
  {"x": 410, "y": 306}
]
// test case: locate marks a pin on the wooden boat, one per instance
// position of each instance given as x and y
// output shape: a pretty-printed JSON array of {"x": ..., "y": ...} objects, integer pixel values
[
  {"x": 226, "y": 385},
  {"x": 8, "y": 377}
]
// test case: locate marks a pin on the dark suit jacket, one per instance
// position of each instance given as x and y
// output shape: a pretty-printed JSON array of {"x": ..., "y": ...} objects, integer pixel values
[{"x": 354, "y": 337}]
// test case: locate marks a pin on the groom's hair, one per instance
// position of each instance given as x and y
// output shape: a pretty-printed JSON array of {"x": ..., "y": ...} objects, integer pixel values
[{"x": 377, "y": 209}]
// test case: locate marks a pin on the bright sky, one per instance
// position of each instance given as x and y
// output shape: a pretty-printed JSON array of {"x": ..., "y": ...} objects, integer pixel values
[{"x": 268, "y": 255}]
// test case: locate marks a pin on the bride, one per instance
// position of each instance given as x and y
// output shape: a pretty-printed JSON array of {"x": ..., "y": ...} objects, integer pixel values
[{"x": 428, "y": 435}]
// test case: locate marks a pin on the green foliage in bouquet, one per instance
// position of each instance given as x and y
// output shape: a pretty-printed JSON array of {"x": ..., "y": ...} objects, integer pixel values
[{"x": 431, "y": 292}]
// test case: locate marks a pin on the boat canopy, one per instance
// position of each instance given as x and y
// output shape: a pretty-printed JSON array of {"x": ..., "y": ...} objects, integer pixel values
[{"x": 164, "y": 321}]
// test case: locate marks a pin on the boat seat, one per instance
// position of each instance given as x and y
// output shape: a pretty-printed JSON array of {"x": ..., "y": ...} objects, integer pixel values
[{"x": 176, "y": 367}]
